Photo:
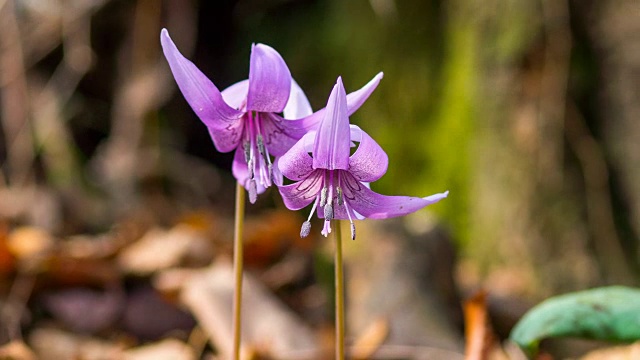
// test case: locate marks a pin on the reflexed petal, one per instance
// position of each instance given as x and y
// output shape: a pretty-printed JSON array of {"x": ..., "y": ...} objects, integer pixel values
[
  {"x": 369, "y": 162},
  {"x": 376, "y": 206},
  {"x": 358, "y": 97},
  {"x": 240, "y": 171},
  {"x": 354, "y": 101},
  {"x": 205, "y": 99},
  {"x": 331, "y": 147},
  {"x": 302, "y": 193},
  {"x": 298, "y": 105},
  {"x": 296, "y": 164},
  {"x": 269, "y": 80},
  {"x": 236, "y": 95},
  {"x": 280, "y": 134}
]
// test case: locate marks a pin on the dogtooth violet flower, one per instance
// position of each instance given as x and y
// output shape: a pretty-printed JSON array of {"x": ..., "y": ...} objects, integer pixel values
[
  {"x": 246, "y": 118},
  {"x": 325, "y": 174}
]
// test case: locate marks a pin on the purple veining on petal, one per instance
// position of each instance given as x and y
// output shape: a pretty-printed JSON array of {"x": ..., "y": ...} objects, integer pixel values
[
  {"x": 302, "y": 193},
  {"x": 296, "y": 164}
]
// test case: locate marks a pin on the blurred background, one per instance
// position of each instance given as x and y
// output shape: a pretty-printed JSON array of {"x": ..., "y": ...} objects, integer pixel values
[{"x": 527, "y": 111}]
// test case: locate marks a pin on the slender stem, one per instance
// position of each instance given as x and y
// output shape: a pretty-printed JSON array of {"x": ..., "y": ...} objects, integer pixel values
[
  {"x": 339, "y": 282},
  {"x": 237, "y": 269}
]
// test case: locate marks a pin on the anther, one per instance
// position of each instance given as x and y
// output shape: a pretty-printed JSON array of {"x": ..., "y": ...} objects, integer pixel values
[
  {"x": 250, "y": 166},
  {"x": 253, "y": 191},
  {"x": 323, "y": 196},
  {"x": 306, "y": 229},
  {"x": 339, "y": 196},
  {"x": 247, "y": 151},
  {"x": 353, "y": 231},
  {"x": 328, "y": 212},
  {"x": 260, "y": 144},
  {"x": 270, "y": 172}
]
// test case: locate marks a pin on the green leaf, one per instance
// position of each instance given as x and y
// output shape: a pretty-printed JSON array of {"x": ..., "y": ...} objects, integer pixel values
[{"x": 610, "y": 313}]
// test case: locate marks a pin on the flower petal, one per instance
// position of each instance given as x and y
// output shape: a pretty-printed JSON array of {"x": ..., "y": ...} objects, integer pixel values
[
  {"x": 298, "y": 105},
  {"x": 280, "y": 134},
  {"x": 296, "y": 164},
  {"x": 224, "y": 122},
  {"x": 269, "y": 80},
  {"x": 354, "y": 101},
  {"x": 376, "y": 206},
  {"x": 358, "y": 97},
  {"x": 302, "y": 193},
  {"x": 240, "y": 171},
  {"x": 369, "y": 162},
  {"x": 331, "y": 147},
  {"x": 236, "y": 95}
]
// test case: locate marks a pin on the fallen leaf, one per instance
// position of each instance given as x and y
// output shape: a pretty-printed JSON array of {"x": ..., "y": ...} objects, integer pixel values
[
  {"x": 85, "y": 310},
  {"x": 169, "y": 349},
  {"x": 268, "y": 327},
  {"x": 159, "y": 249},
  {"x": 370, "y": 340},
  {"x": 16, "y": 350},
  {"x": 55, "y": 344},
  {"x": 629, "y": 352},
  {"x": 479, "y": 339},
  {"x": 28, "y": 242}
]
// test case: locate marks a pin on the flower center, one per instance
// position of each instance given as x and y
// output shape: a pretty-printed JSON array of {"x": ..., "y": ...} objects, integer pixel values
[
  {"x": 256, "y": 155},
  {"x": 332, "y": 201}
]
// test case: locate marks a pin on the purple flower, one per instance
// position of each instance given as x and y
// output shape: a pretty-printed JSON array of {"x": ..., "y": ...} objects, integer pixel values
[
  {"x": 336, "y": 182},
  {"x": 246, "y": 118}
]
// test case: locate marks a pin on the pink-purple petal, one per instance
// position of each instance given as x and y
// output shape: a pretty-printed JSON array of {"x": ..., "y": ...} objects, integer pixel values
[
  {"x": 296, "y": 164},
  {"x": 298, "y": 105},
  {"x": 358, "y": 97},
  {"x": 377, "y": 206},
  {"x": 280, "y": 134},
  {"x": 332, "y": 143},
  {"x": 203, "y": 97},
  {"x": 269, "y": 80},
  {"x": 369, "y": 162},
  {"x": 354, "y": 101},
  {"x": 236, "y": 95},
  {"x": 300, "y": 194}
]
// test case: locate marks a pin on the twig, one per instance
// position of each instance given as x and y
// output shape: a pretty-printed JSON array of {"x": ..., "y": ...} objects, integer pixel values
[
  {"x": 16, "y": 303},
  {"x": 598, "y": 199},
  {"x": 14, "y": 98}
]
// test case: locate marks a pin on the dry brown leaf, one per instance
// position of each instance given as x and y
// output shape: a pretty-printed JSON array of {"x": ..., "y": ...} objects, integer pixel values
[
  {"x": 370, "y": 340},
  {"x": 270, "y": 235},
  {"x": 169, "y": 349},
  {"x": 7, "y": 260},
  {"x": 16, "y": 350},
  {"x": 28, "y": 242},
  {"x": 55, "y": 344},
  {"x": 268, "y": 327},
  {"x": 628, "y": 352},
  {"x": 158, "y": 250},
  {"x": 479, "y": 339}
]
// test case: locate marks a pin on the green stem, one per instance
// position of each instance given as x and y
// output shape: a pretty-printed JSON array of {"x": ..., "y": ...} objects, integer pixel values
[
  {"x": 339, "y": 282},
  {"x": 237, "y": 269}
]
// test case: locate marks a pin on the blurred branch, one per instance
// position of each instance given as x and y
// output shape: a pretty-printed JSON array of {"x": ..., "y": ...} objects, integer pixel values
[
  {"x": 14, "y": 98},
  {"x": 555, "y": 76},
  {"x": 145, "y": 84},
  {"x": 598, "y": 199},
  {"x": 53, "y": 134}
]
